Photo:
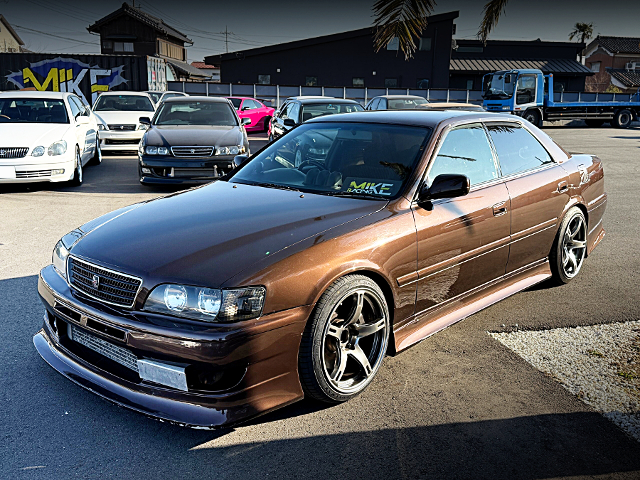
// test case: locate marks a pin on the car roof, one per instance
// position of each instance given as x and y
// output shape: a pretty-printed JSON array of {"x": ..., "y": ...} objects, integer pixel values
[
  {"x": 124, "y": 92},
  {"x": 427, "y": 118},
  {"x": 399, "y": 97},
  {"x": 35, "y": 94},
  {"x": 193, "y": 98},
  {"x": 319, "y": 100}
]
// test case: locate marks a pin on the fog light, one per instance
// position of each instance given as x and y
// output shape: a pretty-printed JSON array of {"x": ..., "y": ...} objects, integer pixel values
[
  {"x": 146, "y": 170},
  {"x": 60, "y": 171}
]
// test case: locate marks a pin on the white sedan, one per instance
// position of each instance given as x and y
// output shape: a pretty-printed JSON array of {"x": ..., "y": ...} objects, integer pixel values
[
  {"x": 45, "y": 136},
  {"x": 118, "y": 119}
]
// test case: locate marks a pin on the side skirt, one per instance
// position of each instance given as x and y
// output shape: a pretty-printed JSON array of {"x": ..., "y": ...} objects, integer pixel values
[{"x": 428, "y": 322}]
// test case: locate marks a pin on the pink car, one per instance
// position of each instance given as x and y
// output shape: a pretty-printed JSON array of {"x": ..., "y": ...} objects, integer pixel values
[{"x": 256, "y": 111}]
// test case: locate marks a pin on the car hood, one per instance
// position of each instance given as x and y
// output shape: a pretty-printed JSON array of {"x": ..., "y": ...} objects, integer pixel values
[
  {"x": 121, "y": 118},
  {"x": 30, "y": 135},
  {"x": 193, "y": 135},
  {"x": 208, "y": 234}
]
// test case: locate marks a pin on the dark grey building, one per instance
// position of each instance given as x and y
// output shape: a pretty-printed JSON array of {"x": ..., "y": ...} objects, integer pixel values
[
  {"x": 471, "y": 60},
  {"x": 345, "y": 60}
]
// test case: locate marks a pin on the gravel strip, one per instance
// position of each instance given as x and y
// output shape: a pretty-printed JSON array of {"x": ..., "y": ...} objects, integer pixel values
[{"x": 600, "y": 364}]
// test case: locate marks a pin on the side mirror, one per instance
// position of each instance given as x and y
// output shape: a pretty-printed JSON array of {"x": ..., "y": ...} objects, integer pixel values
[
  {"x": 239, "y": 160},
  {"x": 145, "y": 121},
  {"x": 444, "y": 186},
  {"x": 245, "y": 108},
  {"x": 289, "y": 122},
  {"x": 245, "y": 121}
]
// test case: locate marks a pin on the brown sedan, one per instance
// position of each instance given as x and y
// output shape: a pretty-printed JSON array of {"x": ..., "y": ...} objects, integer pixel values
[{"x": 351, "y": 237}]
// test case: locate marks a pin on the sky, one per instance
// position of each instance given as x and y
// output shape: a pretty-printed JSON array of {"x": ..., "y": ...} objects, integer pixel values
[{"x": 59, "y": 26}]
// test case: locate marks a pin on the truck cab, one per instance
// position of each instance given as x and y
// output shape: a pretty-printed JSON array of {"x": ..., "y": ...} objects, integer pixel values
[{"x": 518, "y": 91}]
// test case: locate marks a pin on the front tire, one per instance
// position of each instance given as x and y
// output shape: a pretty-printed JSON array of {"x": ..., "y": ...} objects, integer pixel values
[
  {"x": 569, "y": 248},
  {"x": 76, "y": 180},
  {"x": 533, "y": 116},
  {"x": 97, "y": 155},
  {"x": 345, "y": 340},
  {"x": 623, "y": 119}
]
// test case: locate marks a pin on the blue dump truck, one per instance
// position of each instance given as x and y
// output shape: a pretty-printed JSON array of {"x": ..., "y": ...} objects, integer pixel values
[{"x": 530, "y": 94}]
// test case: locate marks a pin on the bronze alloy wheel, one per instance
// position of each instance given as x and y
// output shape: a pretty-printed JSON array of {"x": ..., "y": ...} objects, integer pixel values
[
  {"x": 345, "y": 341},
  {"x": 570, "y": 248}
]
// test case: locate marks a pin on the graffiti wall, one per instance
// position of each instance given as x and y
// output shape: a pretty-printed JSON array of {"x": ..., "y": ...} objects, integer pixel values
[{"x": 85, "y": 75}]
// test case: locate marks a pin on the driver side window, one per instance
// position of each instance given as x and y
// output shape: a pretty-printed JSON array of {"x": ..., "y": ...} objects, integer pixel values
[
  {"x": 75, "y": 109},
  {"x": 465, "y": 151}
]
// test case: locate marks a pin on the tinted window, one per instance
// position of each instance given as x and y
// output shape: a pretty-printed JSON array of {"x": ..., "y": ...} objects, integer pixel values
[
  {"x": 236, "y": 102},
  {"x": 465, "y": 151},
  {"x": 195, "y": 113},
  {"x": 350, "y": 159},
  {"x": 406, "y": 103},
  {"x": 518, "y": 150},
  {"x": 123, "y": 103},
  {"x": 32, "y": 110},
  {"x": 155, "y": 96},
  {"x": 294, "y": 113},
  {"x": 313, "y": 110}
]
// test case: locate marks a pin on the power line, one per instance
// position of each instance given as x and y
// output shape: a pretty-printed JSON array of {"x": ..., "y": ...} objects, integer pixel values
[{"x": 39, "y": 32}]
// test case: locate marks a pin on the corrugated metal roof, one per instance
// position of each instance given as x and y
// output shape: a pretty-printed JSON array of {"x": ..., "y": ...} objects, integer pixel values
[
  {"x": 184, "y": 67},
  {"x": 479, "y": 65},
  {"x": 630, "y": 79}
]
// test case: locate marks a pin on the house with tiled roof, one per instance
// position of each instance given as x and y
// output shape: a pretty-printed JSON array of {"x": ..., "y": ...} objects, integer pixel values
[
  {"x": 212, "y": 71},
  {"x": 10, "y": 42},
  {"x": 615, "y": 62},
  {"x": 132, "y": 31}
]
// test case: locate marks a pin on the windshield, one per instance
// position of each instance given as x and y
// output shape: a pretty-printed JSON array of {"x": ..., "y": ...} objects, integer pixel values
[
  {"x": 32, "y": 110},
  {"x": 123, "y": 103},
  {"x": 347, "y": 159},
  {"x": 314, "y": 110},
  {"x": 406, "y": 103},
  {"x": 501, "y": 85},
  {"x": 236, "y": 102},
  {"x": 195, "y": 113},
  {"x": 155, "y": 96}
]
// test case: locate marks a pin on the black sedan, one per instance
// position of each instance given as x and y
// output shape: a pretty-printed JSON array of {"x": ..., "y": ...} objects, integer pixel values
[
  {"x": 297, "y": 110},
  {"x": 191, "y": 140}
]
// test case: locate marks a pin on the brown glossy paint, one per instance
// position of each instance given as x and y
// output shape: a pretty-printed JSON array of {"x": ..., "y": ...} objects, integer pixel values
[{"x": 436, "y": 266}]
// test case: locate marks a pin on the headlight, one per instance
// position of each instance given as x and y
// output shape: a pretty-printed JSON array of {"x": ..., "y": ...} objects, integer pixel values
[
  {"x": 232, "y": 150},
  {"x": 59, "y": 259},
  {"x": 142, "y": 126},
  {"x": 206, "y": 304},
  {"x": 37, "y": 152},
  {"x": 102, "y": 126},
  {"x": 153, "y": 150},
  {"x": 57, "y": 148}
]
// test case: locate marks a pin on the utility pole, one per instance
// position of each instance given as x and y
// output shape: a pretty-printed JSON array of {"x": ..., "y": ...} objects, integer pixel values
[{"x": 226, "y": 38}]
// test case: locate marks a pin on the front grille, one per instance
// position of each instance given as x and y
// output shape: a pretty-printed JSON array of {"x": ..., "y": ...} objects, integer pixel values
[
  {"x": 113, "y": 141},
  {"x": 33, "y": 173},
  {"x": 13, "y": 152},
  {"x": 114, "y": 352},
  {"x": 196, "y": 173},
  {"x": 122, "y": 127},
  {"x": 102, "y": 284},
  {"x": 192, "y": 152}
]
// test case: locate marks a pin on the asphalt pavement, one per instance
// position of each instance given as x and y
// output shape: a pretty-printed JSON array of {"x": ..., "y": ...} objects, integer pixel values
[{"x": 457, "y": 405}]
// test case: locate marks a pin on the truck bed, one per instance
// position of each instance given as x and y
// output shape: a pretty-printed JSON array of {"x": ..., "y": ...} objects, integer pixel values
[{"x": 581, "y": 99}]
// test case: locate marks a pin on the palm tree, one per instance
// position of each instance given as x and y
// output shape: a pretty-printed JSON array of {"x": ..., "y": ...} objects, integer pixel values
[
  {"x": 583, "y": 31},
  {"x": 401, "y": 19},
  {"x": 491, "y": 14}
]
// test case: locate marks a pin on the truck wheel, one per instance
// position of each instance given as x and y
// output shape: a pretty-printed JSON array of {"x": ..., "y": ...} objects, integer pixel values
[
  {"x": 533, "y": 117},
  {"x": 594, "y": 123},
  {"x": 623, "y": 119}
]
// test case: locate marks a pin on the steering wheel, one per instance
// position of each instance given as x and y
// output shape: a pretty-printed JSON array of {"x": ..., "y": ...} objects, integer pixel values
[{"x": 307, "y": 164}]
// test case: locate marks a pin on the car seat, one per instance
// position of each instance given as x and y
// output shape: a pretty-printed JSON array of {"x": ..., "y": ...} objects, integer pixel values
[{"x": 58, "y": 114}]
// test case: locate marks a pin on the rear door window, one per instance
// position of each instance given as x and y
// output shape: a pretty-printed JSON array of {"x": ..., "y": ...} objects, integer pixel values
[{"x": 517, "y": 149}]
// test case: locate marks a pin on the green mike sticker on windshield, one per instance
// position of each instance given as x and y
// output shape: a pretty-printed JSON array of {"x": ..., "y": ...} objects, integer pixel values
[{"x": 370, "y": 186}]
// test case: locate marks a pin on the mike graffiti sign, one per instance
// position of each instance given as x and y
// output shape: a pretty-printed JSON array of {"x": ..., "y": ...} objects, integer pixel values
[
  {"x": 66, "y": 75},
  {"x": 85, "y": 75}
]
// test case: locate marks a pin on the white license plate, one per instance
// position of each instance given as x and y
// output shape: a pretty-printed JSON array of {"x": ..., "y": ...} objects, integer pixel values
[{"x": 7, "y": 172}]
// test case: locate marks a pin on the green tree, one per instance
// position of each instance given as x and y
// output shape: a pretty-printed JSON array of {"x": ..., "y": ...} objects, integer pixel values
[{"x": 582, "y": 31}]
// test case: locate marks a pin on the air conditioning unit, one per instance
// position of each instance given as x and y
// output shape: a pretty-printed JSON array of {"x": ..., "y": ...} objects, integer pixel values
[{"x": 632, "y": 67}]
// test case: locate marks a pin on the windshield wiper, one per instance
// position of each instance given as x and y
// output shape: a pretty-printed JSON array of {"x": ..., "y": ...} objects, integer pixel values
[
  {"x": 340, "y": 193},
  {"x": 275, "y": 185}
]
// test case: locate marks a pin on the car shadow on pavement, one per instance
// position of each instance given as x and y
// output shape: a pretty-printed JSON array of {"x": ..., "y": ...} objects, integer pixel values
[{"x": 52, "y": 428}]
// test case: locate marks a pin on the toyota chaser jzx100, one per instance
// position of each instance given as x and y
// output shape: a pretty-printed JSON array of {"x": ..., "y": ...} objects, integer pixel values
[{"x": 288, "y": 278}]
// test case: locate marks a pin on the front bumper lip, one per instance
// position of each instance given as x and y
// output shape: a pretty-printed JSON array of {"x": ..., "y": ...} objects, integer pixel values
[{"x": 266, "y": 347}]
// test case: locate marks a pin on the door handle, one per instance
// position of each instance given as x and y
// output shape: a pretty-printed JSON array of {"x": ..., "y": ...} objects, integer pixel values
[
  {"x": 563, "y": 187},
  {"x": 499, "y": 209}
]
